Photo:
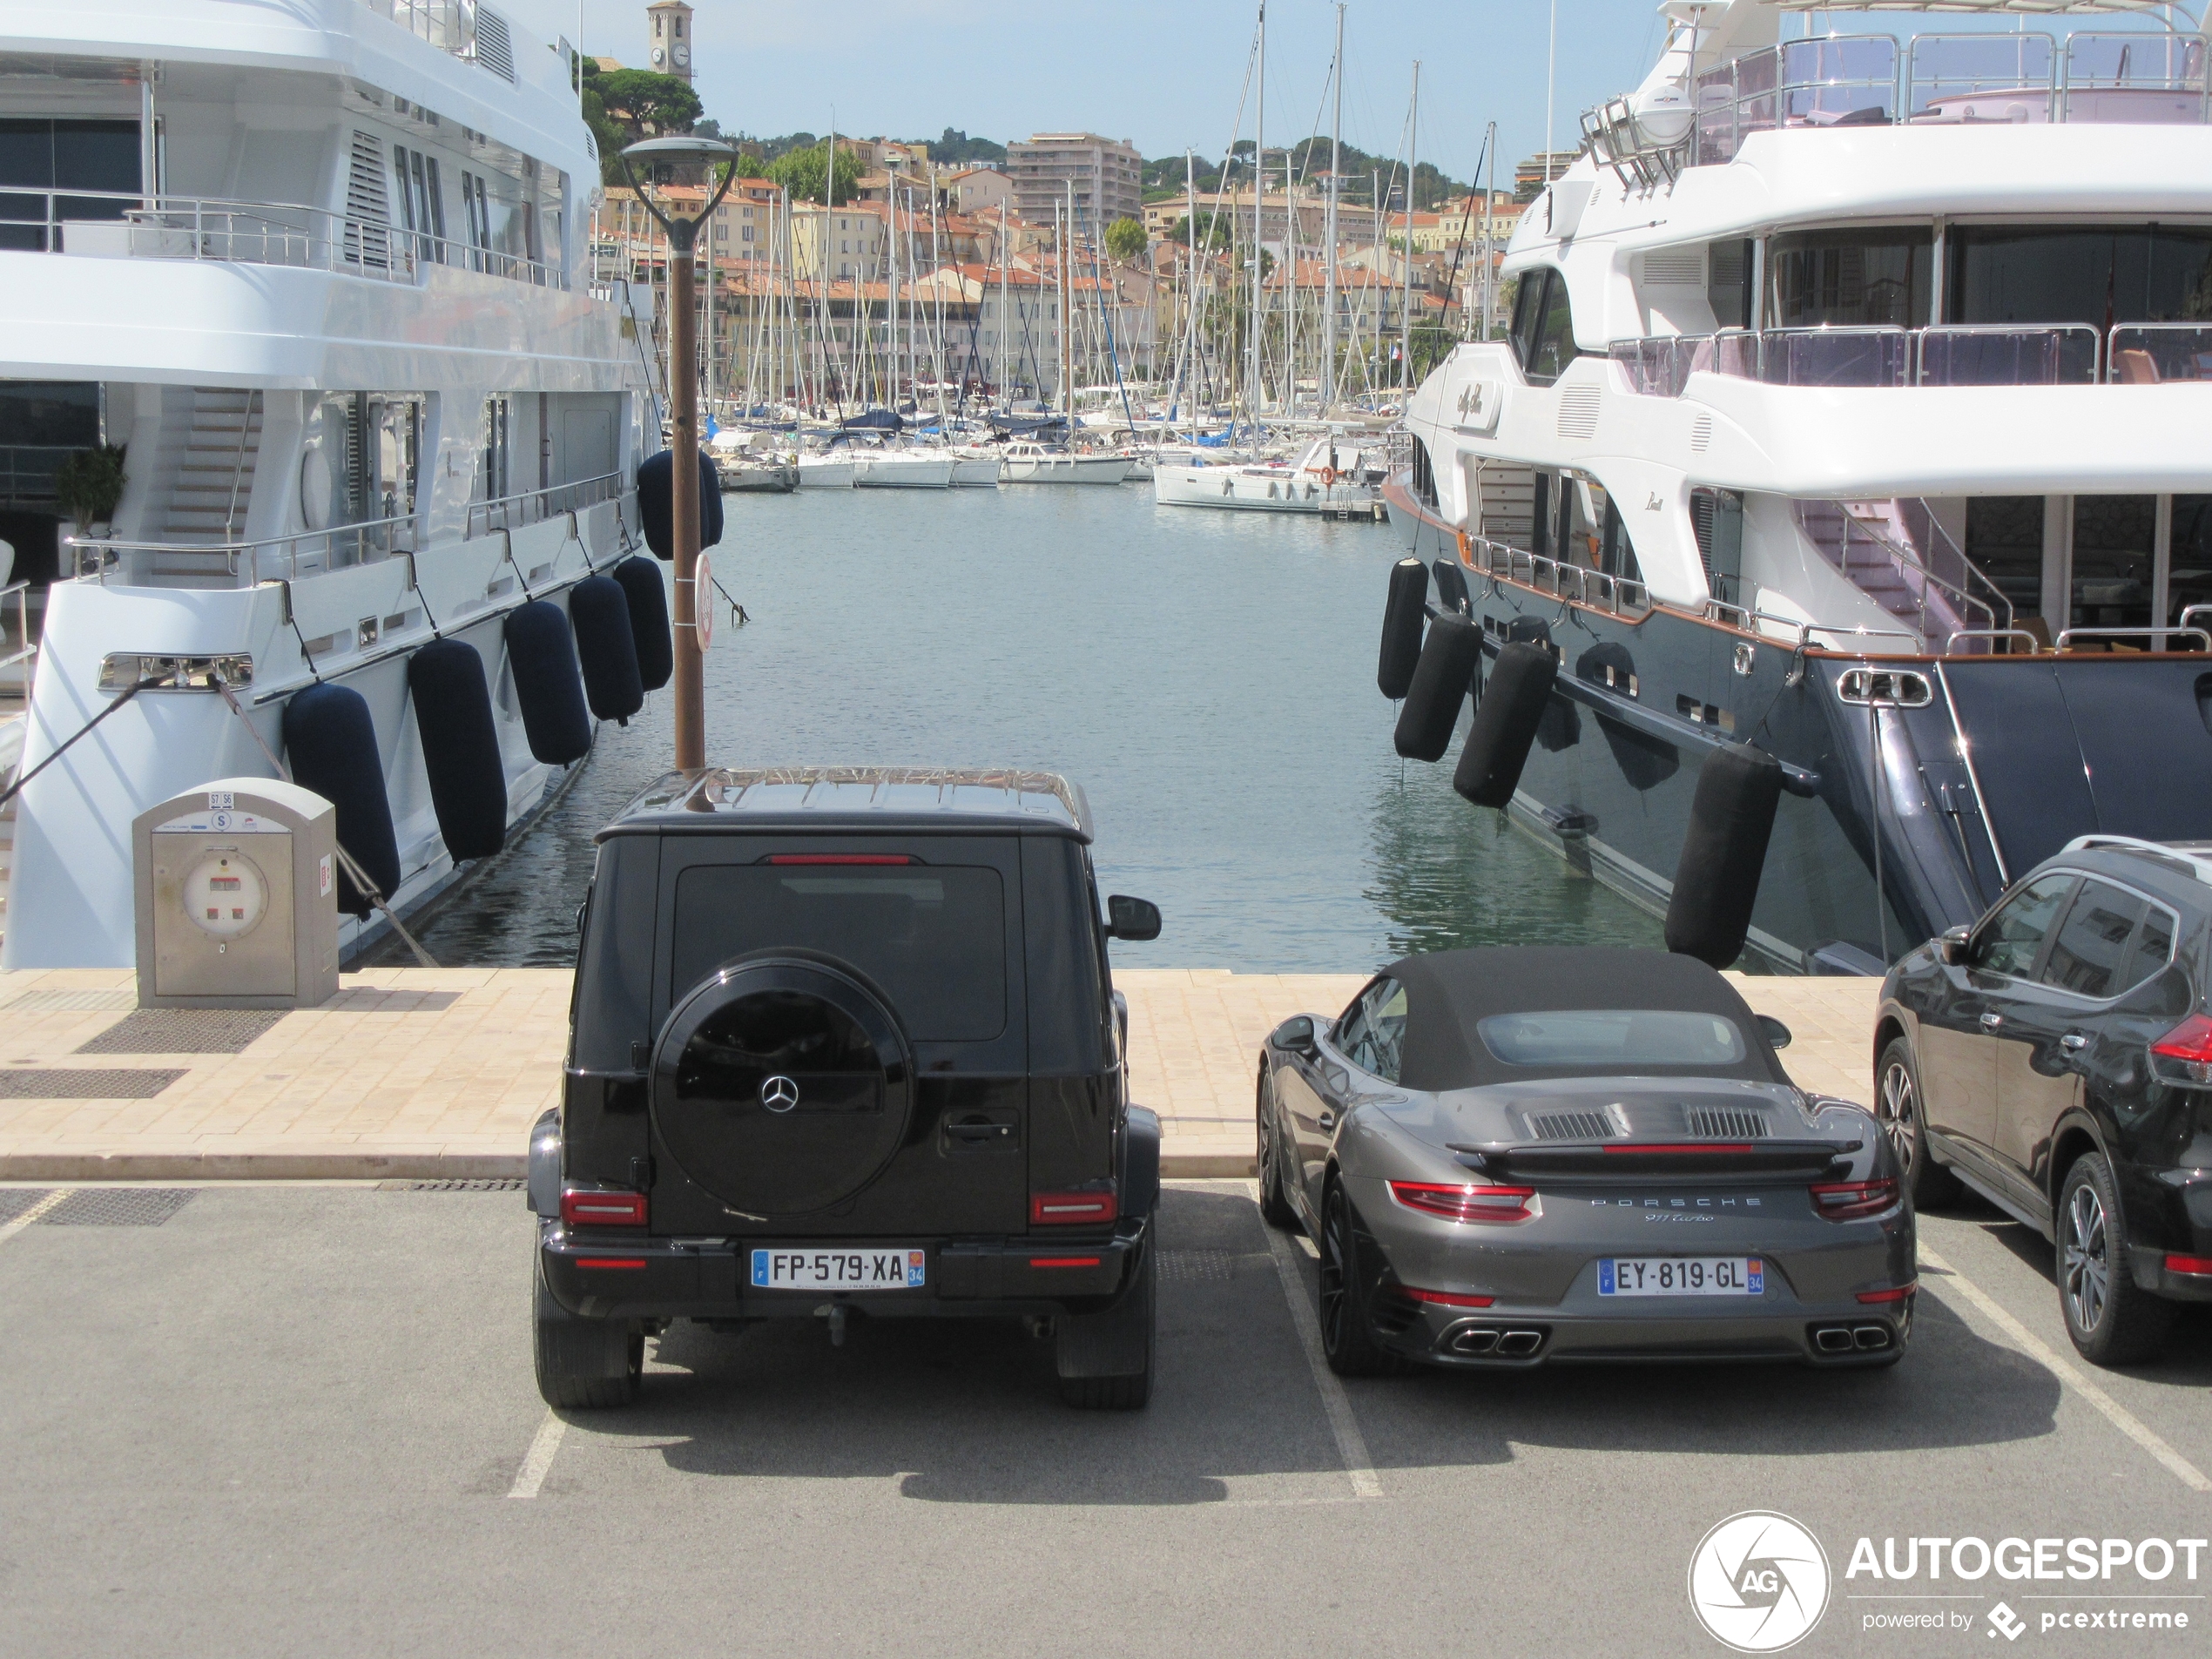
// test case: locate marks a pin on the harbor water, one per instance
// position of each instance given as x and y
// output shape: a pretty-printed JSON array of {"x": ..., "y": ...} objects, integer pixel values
[{"x": 1209, "y": 677}]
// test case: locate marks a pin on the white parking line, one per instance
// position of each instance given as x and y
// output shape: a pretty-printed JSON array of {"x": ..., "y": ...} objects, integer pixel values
[
  {"x": 10, "y": 1229},
  {"x": 1352, "y": 1444},
  {"x": 539, "y": 1458},
  {"x": 2025, "y": 1341}
]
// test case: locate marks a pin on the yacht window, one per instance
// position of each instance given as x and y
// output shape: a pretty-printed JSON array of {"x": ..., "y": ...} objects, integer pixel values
[
  {"x": 1424, "y": 473},
  {"x": 1728, "y": 287},
  {"x": 2100, "y": 274},
  {"x": 1617, "y": 555},
  {"x": 1849, "y": 279},
  {"x": 1543, "y": 326},
  {"x": 2005, "y": 540},
  {"x": 2190, "y": 577},
  {"x": 2114, "y": 547},
  {"x": 40, "y": 155},
  {"x": 494, "y": 473}
]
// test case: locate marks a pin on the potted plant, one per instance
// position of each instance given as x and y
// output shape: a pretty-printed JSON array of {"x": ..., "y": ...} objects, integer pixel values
[{"x": 88, "y": 487}]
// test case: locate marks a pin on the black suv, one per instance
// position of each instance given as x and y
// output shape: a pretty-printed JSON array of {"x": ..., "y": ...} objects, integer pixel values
[
  {"x": 2056, "y": 1057},
  {"x": 845, "y": 1043}
]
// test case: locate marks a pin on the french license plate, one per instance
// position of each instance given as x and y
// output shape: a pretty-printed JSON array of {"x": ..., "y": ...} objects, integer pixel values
[
  {"x": 839, "y": 1269},
  {"x": 1682, "y": 1276}
]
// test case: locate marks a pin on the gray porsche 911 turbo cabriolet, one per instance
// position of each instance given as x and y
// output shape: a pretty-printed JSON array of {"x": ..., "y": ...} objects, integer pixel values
[{"x": 1515, "y": 1156}]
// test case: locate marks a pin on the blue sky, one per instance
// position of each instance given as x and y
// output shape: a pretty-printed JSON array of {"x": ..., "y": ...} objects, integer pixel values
[{"x": 1163, "y": 73}]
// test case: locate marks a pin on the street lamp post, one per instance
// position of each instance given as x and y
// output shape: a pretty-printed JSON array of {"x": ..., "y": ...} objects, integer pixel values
[{"x": 684, "y": 416}]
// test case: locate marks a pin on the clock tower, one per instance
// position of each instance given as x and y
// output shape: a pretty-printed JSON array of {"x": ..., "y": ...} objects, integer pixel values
[{"x": 668, "y": 37}]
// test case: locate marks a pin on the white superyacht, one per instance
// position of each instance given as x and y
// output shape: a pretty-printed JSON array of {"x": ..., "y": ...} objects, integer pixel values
[{"x": 319, "y": 271}]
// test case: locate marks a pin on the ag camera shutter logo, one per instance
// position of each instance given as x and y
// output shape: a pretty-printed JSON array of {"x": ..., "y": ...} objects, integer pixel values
[{"x": 1758, "y": 1582}]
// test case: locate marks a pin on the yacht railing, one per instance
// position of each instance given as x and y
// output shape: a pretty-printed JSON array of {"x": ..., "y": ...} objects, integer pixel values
[
  {"x": 16, "y": 645},
  {"x": 2145, "y": 353},
  {"x": 283, "y": 233},
  {"x": 1617, "y": 596},
  {"x": 244, "y": 564},
  {"x": 2139, "y": 78},
  {"x": 1941, "y": 354},
  {"x": 535, "y": 506}
]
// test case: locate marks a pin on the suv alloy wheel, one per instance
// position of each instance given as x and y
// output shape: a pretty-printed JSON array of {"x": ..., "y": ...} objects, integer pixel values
[{"x": 2112, "y": 1321}]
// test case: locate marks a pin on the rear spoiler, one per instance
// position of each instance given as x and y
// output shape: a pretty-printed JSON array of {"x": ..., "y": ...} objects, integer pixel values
[{"x": 1615, "y": 1160}]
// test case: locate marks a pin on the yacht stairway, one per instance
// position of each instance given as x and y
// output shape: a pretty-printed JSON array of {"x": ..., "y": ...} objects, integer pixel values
[
  {"x": 211, "y": 480},
  {"x": 1887, "y": 549}
]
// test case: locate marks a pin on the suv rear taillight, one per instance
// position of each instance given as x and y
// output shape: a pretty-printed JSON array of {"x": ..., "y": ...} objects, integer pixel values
[
  {"x": 596, "y": 1207},
  {"x": 1465, "y": 1204},
  {"x": 1072, "y": 1209},
  {"x": 1849, "y": 1200},
  {"x": 2183, "y": 1055}
]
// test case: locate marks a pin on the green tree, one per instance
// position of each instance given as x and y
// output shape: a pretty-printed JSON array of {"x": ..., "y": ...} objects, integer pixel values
[
  {"x": 1125, "y": 239},
  {"x": 803, "y": 173},
  {"x": 1213, "y": 231},
  {"x": 647, "y": 105}
]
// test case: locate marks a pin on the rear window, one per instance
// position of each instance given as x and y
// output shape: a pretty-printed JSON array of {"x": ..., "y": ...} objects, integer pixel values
[
  {"x": 932, "y": 937},
  {"x": 1612, "y": 1040}
]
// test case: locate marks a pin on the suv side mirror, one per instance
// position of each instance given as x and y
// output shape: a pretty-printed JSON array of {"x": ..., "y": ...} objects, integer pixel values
[
  {"x": 1954, "y": 947},
  {"x": 1295, "y": 1035},
  {"x": 1776, "y": 1033},
  {"x": 1135, "y": 920}
]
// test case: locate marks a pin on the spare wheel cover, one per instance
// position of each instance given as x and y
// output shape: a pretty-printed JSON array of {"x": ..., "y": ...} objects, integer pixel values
[{"x": 782, "y": 1085}]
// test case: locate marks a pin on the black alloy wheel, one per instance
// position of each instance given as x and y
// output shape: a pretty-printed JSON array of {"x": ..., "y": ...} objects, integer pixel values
[
  {"x": 1274, "y": 1205},
  {"x": 2112, "y": 1320},
  {"x": 1898, "y": 1109},
  {"x": 1348, "y": 1340}
]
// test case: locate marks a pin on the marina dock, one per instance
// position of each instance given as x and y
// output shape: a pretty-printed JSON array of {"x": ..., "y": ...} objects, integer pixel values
[{"x": 438, "y": 1074}]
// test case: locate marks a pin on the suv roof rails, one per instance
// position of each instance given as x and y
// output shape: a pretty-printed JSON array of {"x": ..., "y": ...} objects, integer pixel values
[{"x": 2193, "y": 857}]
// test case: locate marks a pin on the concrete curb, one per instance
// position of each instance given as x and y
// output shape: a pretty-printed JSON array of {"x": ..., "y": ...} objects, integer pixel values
[{"x": 383, "y": 1166}]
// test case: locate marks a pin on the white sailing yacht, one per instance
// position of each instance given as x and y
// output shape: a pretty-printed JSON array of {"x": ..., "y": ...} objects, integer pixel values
[{"x": 319, "y": 271}]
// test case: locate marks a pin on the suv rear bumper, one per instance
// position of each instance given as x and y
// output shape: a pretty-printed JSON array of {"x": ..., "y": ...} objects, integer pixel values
[{"x": 609, "y": 1277}]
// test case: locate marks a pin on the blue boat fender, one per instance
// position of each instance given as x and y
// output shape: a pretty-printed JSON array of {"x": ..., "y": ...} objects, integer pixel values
[
  {"x": 541, "y": 655},
  {"x": 460, "y": 747},
  {"x": 599, "y": 612},
  {"x": 330, "y": 744},
  {"x": 649, "y": 630}
]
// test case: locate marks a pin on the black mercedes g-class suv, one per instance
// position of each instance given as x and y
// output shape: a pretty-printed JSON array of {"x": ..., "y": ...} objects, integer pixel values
[{"x": 845, "y": 1042}]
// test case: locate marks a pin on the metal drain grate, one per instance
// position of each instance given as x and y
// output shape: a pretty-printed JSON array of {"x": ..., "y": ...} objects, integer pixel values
[
  {"x": 70, "y": 1001},
  {"x": 118, "y": 1207},
  {"x": 184, "y": 1031},
  {"x": 1195, "y": 1266},
  {"x": 478, "y": 1183},
  {"x": 38, "y": 1083},
  {"x": 14, "y": 1200}
]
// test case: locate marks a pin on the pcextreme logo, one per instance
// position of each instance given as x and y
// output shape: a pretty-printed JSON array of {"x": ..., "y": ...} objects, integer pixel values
[{"x": 1758, "y": 1582}]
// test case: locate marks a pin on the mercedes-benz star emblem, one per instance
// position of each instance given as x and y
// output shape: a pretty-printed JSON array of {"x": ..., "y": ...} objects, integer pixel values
[{"x": 779, "y": 1094}]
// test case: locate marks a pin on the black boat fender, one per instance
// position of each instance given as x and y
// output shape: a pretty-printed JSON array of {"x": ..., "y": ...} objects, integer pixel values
[
  {"x": 541, "y": 655},
  {"x": 1717, "y": 880},
  {"x": 649, "y": 630},
  {"x": 1452, "y": 586},
  {"x": 599, "y": 612},
  {"x": 1440, "y": 681},
  {"x": 1505, "y": 723},
  {"x": 460, "y": 747},
  {"x": 330, "y": 745},
  {"x": 657, "y": 497},
  {"x": 1401, "y": 634}
]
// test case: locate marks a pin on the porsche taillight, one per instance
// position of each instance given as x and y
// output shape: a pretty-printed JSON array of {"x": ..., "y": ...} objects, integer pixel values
[
  {"x": 1453, "y": 1203},
  {"x": 1850, "y": 1200}
]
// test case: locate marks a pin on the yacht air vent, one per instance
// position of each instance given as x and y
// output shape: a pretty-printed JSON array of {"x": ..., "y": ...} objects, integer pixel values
[
  {"x": 1570, "y": 1126},
  {"x": 494, "y": 49},
  {"x": 1701, "y": 434},
  {"x": 1578, "y": 406},
  {"x": 1674, "y": 267},
  {"x": 1724, "y": 1124}
]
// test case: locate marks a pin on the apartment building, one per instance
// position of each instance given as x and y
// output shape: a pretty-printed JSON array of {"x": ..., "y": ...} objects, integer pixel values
[{"x": 1106, "y": 174}]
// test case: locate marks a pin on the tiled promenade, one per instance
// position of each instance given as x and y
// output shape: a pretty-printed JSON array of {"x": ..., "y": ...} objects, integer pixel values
[{"x": 419, "y": 1072}]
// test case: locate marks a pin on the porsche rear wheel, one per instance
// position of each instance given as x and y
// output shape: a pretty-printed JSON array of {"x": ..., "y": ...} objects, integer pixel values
[{"x": 1348, "y": 1340}]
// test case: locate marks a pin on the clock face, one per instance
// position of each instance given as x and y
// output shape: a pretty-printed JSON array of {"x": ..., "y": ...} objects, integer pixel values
[
  {"x": 657, "y": 54},
  {"x": 682, "y": 53}
]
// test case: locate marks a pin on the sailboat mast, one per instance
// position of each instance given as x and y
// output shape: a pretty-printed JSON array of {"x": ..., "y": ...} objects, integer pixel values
[
  {"x": 1489, "y": 251},
  {"x": 1003, "y": 315},
  {"x": 1259, "y": 195},
  {"x": 1190, "y": 284},
  {"x": 1329, "y": 299},
  {"x": 1067, "y": 325},
  {"x": 1412, "y": 162}
]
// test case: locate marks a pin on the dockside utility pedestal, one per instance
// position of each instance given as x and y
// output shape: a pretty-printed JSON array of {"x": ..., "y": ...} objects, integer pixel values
[{"x": 237, "y": 897}]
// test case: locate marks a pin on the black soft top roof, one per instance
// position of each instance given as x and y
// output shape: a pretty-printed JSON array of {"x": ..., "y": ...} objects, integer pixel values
[
  {"x": 857, "y": 799},
  {"x": 1449, "y": 992}
]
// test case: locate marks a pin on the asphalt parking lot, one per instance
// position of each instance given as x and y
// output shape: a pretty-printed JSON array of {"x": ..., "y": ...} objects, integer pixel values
[{"x": 294, "y": 1419}]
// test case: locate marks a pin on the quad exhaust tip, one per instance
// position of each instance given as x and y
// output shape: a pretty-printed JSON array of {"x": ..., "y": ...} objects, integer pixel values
[{"x": 1476, "y": 1341}]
